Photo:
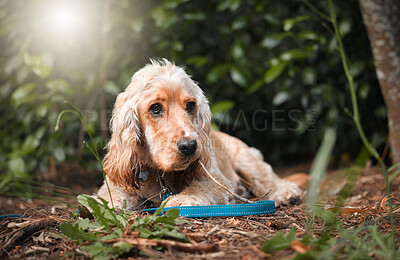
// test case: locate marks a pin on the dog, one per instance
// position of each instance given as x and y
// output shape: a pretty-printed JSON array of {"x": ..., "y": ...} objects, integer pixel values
[{"x": 161, "y": 139}]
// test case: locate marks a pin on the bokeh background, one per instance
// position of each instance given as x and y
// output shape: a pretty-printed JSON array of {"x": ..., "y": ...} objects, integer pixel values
[{"x": 269, "y": 68}]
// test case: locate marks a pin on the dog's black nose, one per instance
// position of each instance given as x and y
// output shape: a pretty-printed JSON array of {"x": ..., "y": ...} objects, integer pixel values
[{"x": 187, "y": 147}]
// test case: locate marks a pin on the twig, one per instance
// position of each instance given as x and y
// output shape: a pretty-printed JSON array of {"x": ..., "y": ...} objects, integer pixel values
[
  {"x": 236, "y": 196},
  {"x": 261, "y": 197},
  {"x": 186, "y": 247},
  {"x": 26, "y": 232},
  {"x": 212, "y": 231}
]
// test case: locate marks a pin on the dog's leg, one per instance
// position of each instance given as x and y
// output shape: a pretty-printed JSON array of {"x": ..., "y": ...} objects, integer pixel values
[
  {"x": 249, "y": 162},
  {"x": 118, "y": 195},
  {"x": 204, "y": 191}
]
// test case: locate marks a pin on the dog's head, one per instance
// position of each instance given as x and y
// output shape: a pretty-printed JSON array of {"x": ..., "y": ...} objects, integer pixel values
[{"x": 161, "y": 121}]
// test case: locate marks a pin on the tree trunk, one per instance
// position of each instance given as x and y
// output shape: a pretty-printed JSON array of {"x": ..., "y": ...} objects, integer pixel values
[{"x": 382, "y": 20}]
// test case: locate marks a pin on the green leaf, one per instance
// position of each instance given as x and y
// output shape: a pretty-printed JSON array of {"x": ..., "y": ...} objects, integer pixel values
[
  {"x": 60, "y": 86},
  {"x": 232, "y": 5},
  {"x": 111, "y": 87},
  {"x": 22, "y": 92},
  {"x": 279, "y": 242},
  {"x": 239, "y": 23},
  {"x": 393, "y": 175},
  {"x": 256, "y": 86},
  {"x": 215, "y": 74},
  {"x": 308, "y": 35},
  {"x": 309, "y": 76},
  {"x": 345, "y": 26},
  {"x": 222, "y": 105},
  {"x": 194, "y": 16},
  {"x": 272, "y": 40},
  {"x": 98, "y": 250},
  {"x": 320, "y": 164},
  {"x": 86, "y": 224},
  {"x": 290, "y": 22},
  {"x": 327, "y": 215},
  {"x": 122, "y": 247},
  {"x": 102, "y": 212},
  {"x": 32, "y": 60},
  {"x": 43, "y": 71},
  {"x": 281, "y": 98},
  {"x": 118, "y": 233},
  {"x": 274, "y": 71},
  {"x": 41, "y": 65},
  {"x": 356, "y": 68},
  {"x": 16, "y": 166},
  {"x": 59, "y": 153},
  {"x": 237, "y": 51},
  {"x": 272, "y": 19},
  {"x": 364, "y": 91},
  {"x": 174, "y": 233},
  {"x": 75, "y": 232},
  {"x": 172, "y": 213},
  {"x": 394, "y": 166},
  {"x": 6, "y": 179},
  {"x": 238, "y": 77},
  {"x": 30, "y": 144},
  {"x": 198, "y": 61},
  {"x": 294, "y": 54}
]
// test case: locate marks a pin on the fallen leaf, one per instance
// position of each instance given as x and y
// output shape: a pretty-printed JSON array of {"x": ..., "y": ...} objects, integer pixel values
[
  {"x": 347, "y": 211},
  {"x": 299, "y": 247}
]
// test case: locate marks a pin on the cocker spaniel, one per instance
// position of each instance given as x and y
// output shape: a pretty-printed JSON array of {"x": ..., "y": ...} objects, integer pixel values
[{"x": 161, "y": 132}]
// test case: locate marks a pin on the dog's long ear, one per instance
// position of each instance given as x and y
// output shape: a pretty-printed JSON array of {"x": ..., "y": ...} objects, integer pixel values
[
  {"x": 121, "y": 161},
  {"x": 203, "y": 118}
]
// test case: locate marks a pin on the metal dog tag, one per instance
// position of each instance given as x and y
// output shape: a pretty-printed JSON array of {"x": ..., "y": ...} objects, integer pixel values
[{"x": 143, "y": 175}]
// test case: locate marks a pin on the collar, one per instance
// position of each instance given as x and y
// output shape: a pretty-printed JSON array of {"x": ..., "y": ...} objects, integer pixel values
[{"x": 165, "y": 192}]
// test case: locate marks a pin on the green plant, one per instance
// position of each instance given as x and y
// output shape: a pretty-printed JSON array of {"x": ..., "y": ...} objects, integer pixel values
[
  {"x": 356, "y": 115},
  {"x": 93, "y": 237},
  {"x": 335, "y": 241},
  {"x": 92, "y": 146}
]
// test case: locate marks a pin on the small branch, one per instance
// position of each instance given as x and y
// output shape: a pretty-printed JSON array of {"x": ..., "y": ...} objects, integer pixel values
[
  {"x": 24, "y": 233},
  {"x": 316, "y": 11},
  {"x": 236, "y": 196}
]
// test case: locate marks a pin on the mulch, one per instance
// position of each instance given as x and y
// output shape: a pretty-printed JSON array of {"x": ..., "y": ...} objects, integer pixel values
[{"x": 36, "y": 235}]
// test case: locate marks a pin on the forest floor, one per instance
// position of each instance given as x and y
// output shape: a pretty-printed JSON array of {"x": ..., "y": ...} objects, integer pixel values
[{"x": 224, "y": 237}]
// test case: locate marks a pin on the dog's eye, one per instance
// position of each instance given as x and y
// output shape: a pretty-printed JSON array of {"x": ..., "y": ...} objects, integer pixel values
[
  {"x": 190, "y": 106},
  {"x": 156, "y": 109}
]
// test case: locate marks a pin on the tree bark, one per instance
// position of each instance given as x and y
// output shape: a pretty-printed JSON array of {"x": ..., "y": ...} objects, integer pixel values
[{"x": 382, "y": 20}]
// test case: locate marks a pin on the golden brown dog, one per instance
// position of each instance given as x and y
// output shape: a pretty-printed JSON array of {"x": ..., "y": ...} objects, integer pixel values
[{"x": 160, "y": 134}]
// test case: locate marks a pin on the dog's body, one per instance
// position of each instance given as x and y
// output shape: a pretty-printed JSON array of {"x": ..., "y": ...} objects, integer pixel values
[{"x": 160, "y": 134}]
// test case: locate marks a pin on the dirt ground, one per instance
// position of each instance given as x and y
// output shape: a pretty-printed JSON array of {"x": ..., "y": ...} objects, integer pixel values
[{"x": 224, "y": 237}]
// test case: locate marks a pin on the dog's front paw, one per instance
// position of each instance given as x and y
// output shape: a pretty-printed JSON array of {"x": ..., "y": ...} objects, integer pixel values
[
  {"x": 183, "y": 200},
  {"x": 286, "y": 193}
]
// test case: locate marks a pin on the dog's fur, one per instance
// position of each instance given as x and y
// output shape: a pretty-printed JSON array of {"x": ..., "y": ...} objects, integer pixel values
[{"x": 144, "y": 141}]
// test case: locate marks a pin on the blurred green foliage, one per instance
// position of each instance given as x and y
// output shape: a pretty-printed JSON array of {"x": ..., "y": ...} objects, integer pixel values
[{"x": 269, "y": 68}]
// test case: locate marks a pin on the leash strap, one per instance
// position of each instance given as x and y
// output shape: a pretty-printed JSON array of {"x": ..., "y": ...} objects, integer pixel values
[{"x": 258, "y": 208}]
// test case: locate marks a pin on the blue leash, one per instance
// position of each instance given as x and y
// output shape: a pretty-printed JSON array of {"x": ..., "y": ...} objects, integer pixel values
[
  {"x": 9, "y": 217},
  {"x": 258, "y": 208}
]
